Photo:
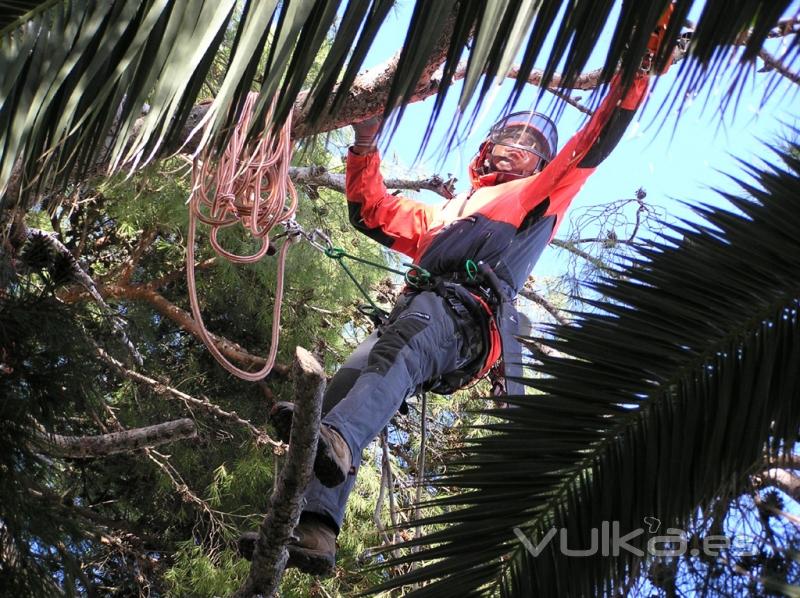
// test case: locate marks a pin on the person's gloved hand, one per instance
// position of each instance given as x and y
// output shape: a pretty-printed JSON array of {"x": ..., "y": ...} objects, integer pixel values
[
  {"x": 365, "y": 133},
  {"x": 656, "y": 39}
]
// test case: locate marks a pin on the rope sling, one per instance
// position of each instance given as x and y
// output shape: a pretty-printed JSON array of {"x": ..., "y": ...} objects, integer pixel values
[{"x": 250, "y": 184}]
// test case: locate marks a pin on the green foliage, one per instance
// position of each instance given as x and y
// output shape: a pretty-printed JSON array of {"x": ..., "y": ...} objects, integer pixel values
[
  {"x": 48, "y": 378},
  {"x": 196, "y": 575}
]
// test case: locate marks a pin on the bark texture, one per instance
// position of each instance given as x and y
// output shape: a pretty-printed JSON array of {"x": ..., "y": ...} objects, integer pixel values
[
  {"x": 316, "y": 176},
  {"x": 270, "y": 555},
  {"x": 116, "y": 442}
]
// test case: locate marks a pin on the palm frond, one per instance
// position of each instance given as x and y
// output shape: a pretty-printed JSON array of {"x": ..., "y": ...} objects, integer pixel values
[
  {"x": 97, "y": 83},
  {"x": 668, "y": 394},
  {"x": 14, "y": 13}
]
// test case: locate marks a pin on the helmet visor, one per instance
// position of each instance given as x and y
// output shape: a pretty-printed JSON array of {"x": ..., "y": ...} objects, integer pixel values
[{"x": 529, "y": 131}]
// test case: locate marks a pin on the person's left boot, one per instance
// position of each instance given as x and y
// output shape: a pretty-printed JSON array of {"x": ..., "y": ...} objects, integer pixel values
[
  {"x": 312, "y": 548},
  {"x": 333, "y": 460}
]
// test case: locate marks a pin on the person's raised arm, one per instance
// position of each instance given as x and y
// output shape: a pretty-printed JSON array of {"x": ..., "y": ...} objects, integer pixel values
[
  {"x": 392, "y": 220},
  {"x": 578, "y": 159}
]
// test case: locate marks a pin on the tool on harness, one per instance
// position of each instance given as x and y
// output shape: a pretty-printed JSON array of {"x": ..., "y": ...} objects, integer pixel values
[{"x": 473, "y": 297}]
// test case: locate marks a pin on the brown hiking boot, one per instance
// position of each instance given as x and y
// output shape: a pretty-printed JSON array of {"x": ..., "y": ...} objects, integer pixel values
[
  {"x": 280, "y": 416},
  {"x": 333, "y": 460},
  {"x": 312, "y": 548}
]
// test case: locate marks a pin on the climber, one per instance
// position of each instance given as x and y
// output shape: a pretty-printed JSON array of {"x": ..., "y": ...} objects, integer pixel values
[{"x": 479, "y": 247}]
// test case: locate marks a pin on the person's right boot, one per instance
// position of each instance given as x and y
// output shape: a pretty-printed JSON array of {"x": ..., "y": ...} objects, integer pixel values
[
  {"x": 333, "y": 461},
  {"x": 312, "y": 548}
]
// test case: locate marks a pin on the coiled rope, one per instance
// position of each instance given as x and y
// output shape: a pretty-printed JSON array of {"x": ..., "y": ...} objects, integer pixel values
[{"x": 248, "y": 184}]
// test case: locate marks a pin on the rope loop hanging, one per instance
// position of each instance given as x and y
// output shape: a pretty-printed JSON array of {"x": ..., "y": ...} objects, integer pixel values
[{"x": 249, "y": 183}]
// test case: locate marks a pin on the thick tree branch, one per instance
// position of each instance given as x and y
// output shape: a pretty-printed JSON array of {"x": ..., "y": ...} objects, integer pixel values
[
  {"x": 316, "y": 176},
  {"x": 115, "y": 442},
  {"x": 146, "y": 293},
  {"x": 270, "y": 554}
]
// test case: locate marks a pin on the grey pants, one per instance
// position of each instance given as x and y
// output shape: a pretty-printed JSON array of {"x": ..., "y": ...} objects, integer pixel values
[{"x": 423, "y": 340}]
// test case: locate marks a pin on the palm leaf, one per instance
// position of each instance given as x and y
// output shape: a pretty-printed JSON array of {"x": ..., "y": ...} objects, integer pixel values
[
  {"x": 666, "y": 395},
  {"x": 78, "y": 74},
  {"x": 13, "y": 13}
]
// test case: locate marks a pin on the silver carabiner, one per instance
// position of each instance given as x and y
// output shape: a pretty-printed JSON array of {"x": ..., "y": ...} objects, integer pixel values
[{"x": 319, "y": 234}]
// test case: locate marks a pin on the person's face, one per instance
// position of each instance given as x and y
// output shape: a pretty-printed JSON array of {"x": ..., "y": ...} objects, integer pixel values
[{"x": 507, "y": 158}]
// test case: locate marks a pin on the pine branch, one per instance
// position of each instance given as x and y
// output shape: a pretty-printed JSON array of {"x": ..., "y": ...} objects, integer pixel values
[
  {"x": 104, "y": 445},
  {"x": 148, "y": 294},
  {"x": 215, "y": 519},
  {"x": 270, "y": 554},
  {"x": 180, "y": 273},
  {"x": 36, "y": 236},
  {"x": 164, "y": 389},
  {"x": 145, "y": 241}
]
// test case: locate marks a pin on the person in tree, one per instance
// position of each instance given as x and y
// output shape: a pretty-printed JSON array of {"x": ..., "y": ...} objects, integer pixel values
[{"x": 479, "y": 248}]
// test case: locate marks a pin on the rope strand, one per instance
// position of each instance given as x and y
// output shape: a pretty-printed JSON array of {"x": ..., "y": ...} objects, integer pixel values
[{"x": 250, "y": 185}]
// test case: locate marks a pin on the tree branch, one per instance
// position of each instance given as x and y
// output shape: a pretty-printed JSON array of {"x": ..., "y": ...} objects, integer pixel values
[
  {"x": 180, "y": 273},
  {"x": 542, "y": 302},
  {"x": 164, "y": 389},
  {"x": 782, "y": 479},
  {"x": 36, "y": 236},
  {"x": 270, "y": 554},
  {"x": 771, "y": 62},
  {"x": 141, "y": 292},
  {"x": 144, "y": 243},
  {"x": 597, "y": 263},
  {"x": 115, "y": 442},
  {"x": 316, "y": 176}
]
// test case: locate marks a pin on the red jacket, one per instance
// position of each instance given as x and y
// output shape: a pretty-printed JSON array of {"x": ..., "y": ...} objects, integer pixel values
[
  {"x": 495, "y": 224},
  {"x": 506, "y": 225}
]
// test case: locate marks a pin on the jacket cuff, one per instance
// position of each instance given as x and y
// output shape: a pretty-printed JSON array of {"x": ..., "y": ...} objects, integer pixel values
[{"x": 351, "y": 152}]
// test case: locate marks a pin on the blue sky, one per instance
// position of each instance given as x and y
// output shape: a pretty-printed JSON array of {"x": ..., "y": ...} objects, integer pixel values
[{"x": 669, "y": 162}]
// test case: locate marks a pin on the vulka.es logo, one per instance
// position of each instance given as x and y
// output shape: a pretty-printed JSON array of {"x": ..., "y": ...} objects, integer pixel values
[{"x": 607, "y": 541}]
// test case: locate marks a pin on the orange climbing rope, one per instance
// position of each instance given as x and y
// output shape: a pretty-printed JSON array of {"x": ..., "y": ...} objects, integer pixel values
[{"x": 248, "y": 184}]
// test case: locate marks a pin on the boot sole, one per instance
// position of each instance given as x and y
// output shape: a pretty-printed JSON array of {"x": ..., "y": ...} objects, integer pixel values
[
  {"x": 312, "y": 562},
  {"x": 326, "y": 468},
  {"x": 280, "y": 416}
]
